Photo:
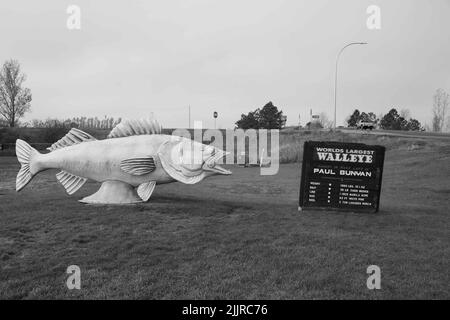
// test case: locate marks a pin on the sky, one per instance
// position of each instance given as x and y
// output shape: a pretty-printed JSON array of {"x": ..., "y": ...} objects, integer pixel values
[{"x": 130, "y": 59}]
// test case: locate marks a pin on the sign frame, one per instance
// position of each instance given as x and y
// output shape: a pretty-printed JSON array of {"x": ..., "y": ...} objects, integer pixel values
[{"x": 337, "y": 183}]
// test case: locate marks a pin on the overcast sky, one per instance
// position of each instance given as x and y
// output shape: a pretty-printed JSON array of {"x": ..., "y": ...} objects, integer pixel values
[{"x": 131, "y": 58}]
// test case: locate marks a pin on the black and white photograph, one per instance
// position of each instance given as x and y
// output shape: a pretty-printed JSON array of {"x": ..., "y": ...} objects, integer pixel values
[{"x": 225, "y": 155}]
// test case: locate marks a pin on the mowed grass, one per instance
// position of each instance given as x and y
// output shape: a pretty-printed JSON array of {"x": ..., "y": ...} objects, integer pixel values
[{"x": 237, "y": 237}]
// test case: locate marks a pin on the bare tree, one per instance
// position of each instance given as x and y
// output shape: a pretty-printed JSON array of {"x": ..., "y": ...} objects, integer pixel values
[
  {"x": 325, "y": 121},
  {"x": 14, "y": 99},
  {"x": 441, "y": 101}
]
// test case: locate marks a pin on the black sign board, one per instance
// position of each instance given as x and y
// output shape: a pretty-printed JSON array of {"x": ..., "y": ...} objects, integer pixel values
[{"x": 341, "y": 176}]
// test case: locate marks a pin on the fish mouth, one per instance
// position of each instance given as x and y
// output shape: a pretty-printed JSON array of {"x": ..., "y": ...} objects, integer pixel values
[
  {"x": 218, "y": 169},
  {"x": 212, "y": 166}
]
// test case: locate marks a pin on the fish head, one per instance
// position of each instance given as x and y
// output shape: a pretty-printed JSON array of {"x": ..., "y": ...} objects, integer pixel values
[
  {"x": 191, "y": 160},
  {"x": 195, "y": 158}
]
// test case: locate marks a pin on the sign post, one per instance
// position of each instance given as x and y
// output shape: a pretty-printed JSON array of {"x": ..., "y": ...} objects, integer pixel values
[{"x": 341, "y": 176}]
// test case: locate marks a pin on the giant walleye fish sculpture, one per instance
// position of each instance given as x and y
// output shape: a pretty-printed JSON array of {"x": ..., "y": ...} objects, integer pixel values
[{"x": 129, "y": 163}]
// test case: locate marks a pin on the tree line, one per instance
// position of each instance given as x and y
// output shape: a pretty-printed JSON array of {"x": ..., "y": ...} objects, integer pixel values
[
  {"x": 393, "y": 120},
  {"x": 78, "y": 122}
]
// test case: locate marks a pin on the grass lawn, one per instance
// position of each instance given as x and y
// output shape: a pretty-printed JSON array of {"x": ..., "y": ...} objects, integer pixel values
[{"x": 230, "y": 237}]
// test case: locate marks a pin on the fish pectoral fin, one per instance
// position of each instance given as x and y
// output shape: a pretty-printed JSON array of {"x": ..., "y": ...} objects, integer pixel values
[
  {"x": 145, "y": 190},
  {"x": 70, "y": 181},
  {"x": 178, "y": 175},
  {"x": 138, "y": 166}
]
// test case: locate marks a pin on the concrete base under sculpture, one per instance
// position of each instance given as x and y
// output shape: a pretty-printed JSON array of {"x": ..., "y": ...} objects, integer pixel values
[{"x": 113, "y": 192}]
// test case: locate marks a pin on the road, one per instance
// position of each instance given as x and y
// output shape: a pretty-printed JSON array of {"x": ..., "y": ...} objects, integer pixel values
[{"x": 407, "y": 134}]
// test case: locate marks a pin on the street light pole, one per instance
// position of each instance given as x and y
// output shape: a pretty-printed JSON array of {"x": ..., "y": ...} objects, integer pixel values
[
  {"x": 189, "y": 116},
  {"x": 336, "y": 77}
]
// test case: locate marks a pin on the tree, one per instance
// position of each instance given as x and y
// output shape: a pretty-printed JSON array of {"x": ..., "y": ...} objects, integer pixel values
[
  {"x": 14, "y": 99},
  {"x": 414, "y": 125},
  {"x": 354, "y": 118},
  {"x": 361, "y": 116},
  {"x": 266, "y": 118},
  {"x": 393, "y": 121},
  {"x": 249, "y": 121},
  {"x": 270, "y": 117},
  {"x": 364, "y": 117},
  {"x": 372, "y": 117},
  {"x": 441, "y": 101}
]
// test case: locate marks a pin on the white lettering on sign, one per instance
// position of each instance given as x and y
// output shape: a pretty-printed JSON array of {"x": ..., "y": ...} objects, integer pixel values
[
  {"x": 344, "y": 157},
  {"x": 353, "y": 173}
]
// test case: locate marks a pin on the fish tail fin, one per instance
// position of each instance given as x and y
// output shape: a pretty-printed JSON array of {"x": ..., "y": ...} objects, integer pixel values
[{"x": 25, "y": 154}]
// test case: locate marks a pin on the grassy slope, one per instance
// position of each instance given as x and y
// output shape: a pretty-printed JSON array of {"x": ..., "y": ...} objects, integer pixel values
[{"x": 230, "y": 237}]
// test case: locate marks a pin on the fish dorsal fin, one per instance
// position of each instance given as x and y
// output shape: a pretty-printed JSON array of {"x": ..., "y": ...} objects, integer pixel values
[
  {"x": 74, "y": 136},
  {"x": 129, "y": 127},
  {"x": 138, "y": 166},
  {"x": 70, "y": 181},
  {"x": 145, "y": 190}
]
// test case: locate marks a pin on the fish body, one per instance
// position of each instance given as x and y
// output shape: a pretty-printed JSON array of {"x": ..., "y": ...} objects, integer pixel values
[
  {"x": 100, "y": 160},
  {"x": 135, "y": 155}
]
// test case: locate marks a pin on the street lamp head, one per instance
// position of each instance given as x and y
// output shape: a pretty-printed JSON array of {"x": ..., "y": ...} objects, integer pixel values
[{"x": 362, "y": 42}]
